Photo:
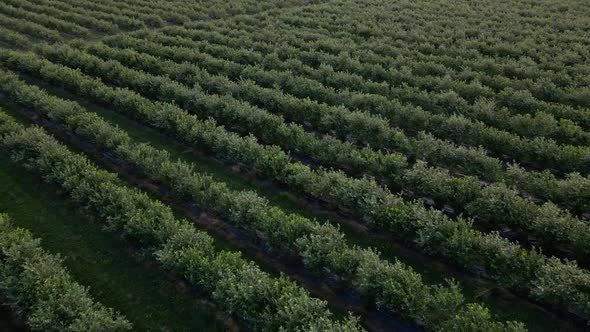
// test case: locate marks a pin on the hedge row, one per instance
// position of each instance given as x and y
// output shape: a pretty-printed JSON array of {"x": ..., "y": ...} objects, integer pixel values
[
  {"x": 500, "y": 41},
  {"x": 86, "y": 21},
  {"x": 546, "y": 152},
  {"x": 362, "y": 55},
  {"x": 320, "y": 247},
  {"x": 98, "y": 11},
  {"x": 375, "y": 130},
  {"x": 429, "y": 230},
  {"x": 496, "y": 205},
  {"x": 363, "y": 128},
  {"x": 416, "y": 55},
  {"x": 44, "y": 20},
  {"x": 260, "y": 301},
  {"x": 12, "y": 37},
  {"x": 36, "y": 285},
  {"x": 34, "y": 30},
  {"x": 441, "y": 95},
  {"x": 457, "y": 128}
]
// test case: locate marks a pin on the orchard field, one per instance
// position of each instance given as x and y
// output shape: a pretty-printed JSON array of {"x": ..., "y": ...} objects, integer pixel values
[{"x": 294, "y": 165}]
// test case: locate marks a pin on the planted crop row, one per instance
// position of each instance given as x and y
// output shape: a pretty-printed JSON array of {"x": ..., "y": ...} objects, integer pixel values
[
  {"x": 571, "y": 192},
  {"x": 320, "y": 247},
  {"x": 523, "y": 38},
  {"x": 434, "y": 233},
  {"x": 44, "y": 20},
  {"x": 147, "y": 11},
  {"x": 375, "y": 131},
  {"x": 436, "y": 95},
  {"x": 259, "y": 300},
  {"x": 367, "y": 129},
  {"x": 356, "y": 127},
  {"x": 578, "y": 94},
  {"x": 216, "y": 9},
  {"x": 344, "y": 52},
  {"x": 271, "y": 128},
  {"x": 31, "y": 29},
  {"x": 11, "y": 37},
  {"x": 35, "y": 284},
  {"x": 150, "y": 17},
  {"x": 456, "y": 128},
  {"x": 92, "y": 9},
  {"x": 245, "y": 118},
  {"x": 495, "y": 205},
  {"x": 497, "y": 74},
  {"x": 155, "y": 13},
  {"x": 84, "y": 20},
  {"x": 421, "y": 58}
]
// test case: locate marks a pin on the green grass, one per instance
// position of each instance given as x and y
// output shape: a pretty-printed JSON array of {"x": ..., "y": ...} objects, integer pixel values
[
  {"x": 502, "y": 304},
  {"x": 116, "y": 275}
]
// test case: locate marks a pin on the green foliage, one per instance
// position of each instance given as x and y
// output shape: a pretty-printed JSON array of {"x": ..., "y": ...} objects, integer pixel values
[
  {"x": 382, "y": 92},
  {"x": 430, "y": 230},
  {"x": 36, "y": 284},
  {"x": 175, "y": 243},
  {"x": 320, "y": 247}
]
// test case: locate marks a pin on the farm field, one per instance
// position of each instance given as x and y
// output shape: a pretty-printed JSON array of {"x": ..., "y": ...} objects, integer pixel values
[{"x": 294, "y": 165}]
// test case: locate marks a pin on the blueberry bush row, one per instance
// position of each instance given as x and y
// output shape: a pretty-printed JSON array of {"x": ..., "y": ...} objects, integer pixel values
[
  {"x": 429, "y": 230},
  {"x": 459, "y": 129},
  {"x": 320, "y": 247},
  {"x": 495, "y": 205},
  {"x": 36, "y": 285},
  {"x": 259, "y": 300}
]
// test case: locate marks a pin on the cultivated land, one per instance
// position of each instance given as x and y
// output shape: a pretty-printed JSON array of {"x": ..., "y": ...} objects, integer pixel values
[{"x": 294, "y": 165}]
